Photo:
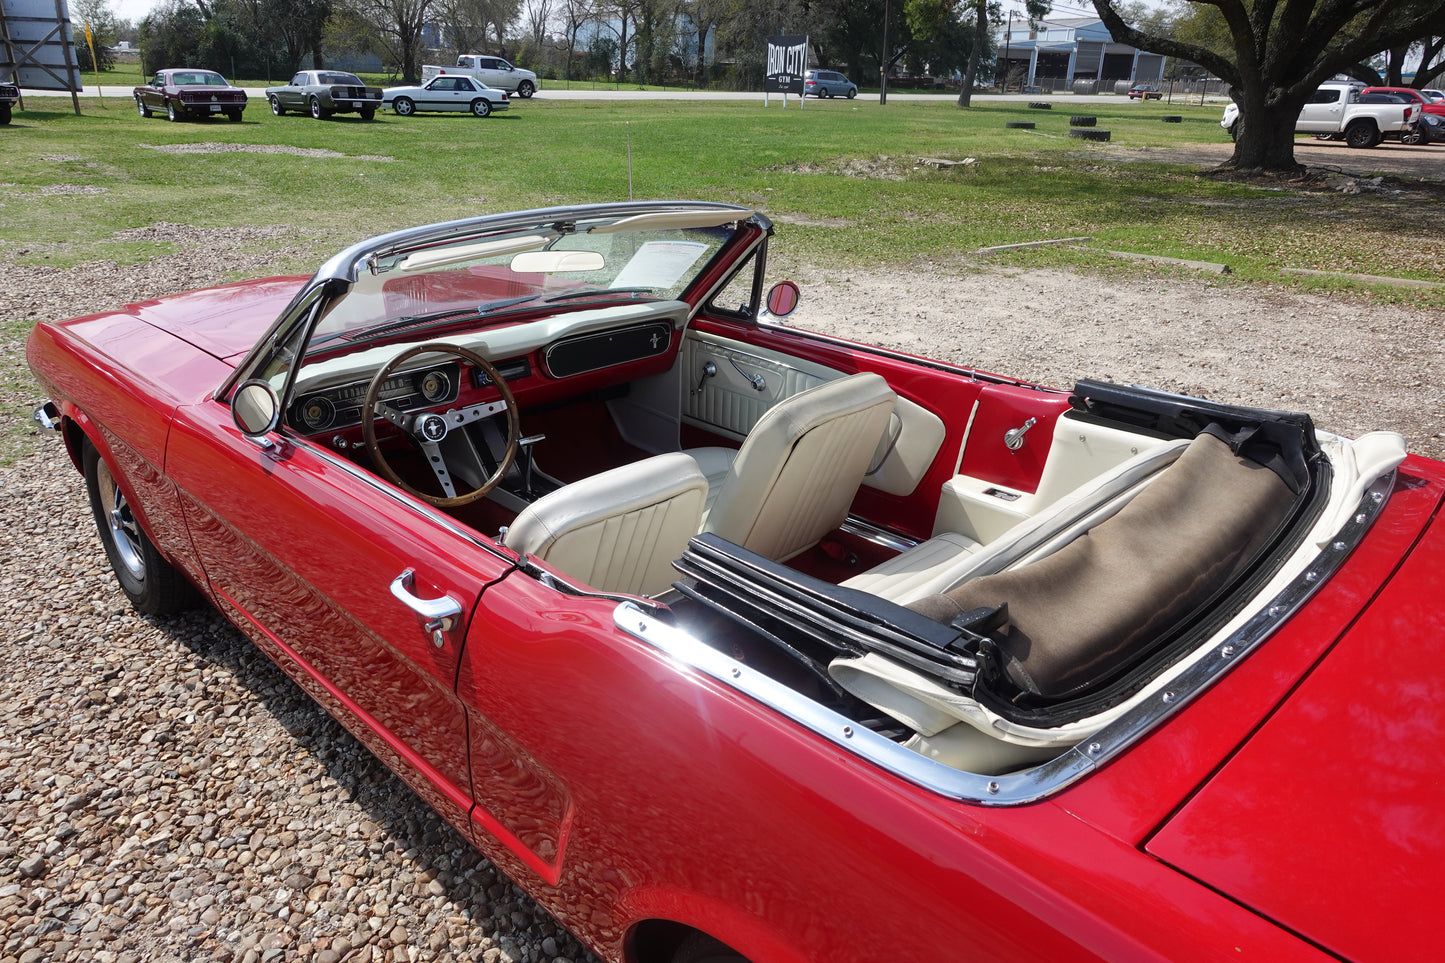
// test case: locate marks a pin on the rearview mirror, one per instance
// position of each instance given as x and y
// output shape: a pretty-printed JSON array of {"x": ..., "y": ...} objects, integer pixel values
[
  {"x": 552, "y": 262},
  {"x": 783, "y": 299},
  {"x": 256, "y": 409}
]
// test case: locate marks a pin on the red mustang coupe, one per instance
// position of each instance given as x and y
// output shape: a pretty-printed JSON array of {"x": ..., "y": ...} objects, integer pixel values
[{"x": 730, "y": 641}]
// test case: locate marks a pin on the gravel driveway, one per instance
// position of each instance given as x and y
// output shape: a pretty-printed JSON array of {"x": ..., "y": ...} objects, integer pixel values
[{"x": 167, "y": 795}]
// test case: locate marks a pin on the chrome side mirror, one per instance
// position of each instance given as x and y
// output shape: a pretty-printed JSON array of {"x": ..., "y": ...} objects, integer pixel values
[
  {"x": 256, "y": 410},
  {"x": 783, "y": 299}
]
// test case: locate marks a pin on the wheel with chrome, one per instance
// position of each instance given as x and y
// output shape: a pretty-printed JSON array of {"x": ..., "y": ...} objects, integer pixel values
[
  {"x": 276, "y": 107},
  {"x": 172, "y": 114},
  {"x": 404, "y": 106},
  {"x": 317, "y": 111},
  {"x": 426, "y": 430},
  {"x": 141, "y": 108},
  {"x": 153, "y": 586},
  {"x": 526, "y": 89},
  {"x": 481, "y": 107}
]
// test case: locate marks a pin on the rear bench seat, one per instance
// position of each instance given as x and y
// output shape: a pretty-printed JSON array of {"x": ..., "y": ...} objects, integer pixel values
[{"x": 948, "y": 558}]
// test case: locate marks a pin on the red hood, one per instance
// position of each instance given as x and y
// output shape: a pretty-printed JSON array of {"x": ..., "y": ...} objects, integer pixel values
[
  {"x": 1331, "y": 819},
  {"x": 224, "y": 321}
]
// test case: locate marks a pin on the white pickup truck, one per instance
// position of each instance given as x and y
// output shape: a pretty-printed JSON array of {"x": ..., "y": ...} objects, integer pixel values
[
  {"x": 1334, "y": 109},
  {"x": 492, "y": 71}
]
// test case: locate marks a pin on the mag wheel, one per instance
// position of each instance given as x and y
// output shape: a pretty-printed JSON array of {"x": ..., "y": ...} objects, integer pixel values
[
  {"x": 276, "y": 107},
  {"x": 149, "y": 581},
  {"x": 404, "y": 106},
  {"x": 481, "y": 107},
  {"x": 526, "y": 89},
  {"x": 141, "y": 108}
]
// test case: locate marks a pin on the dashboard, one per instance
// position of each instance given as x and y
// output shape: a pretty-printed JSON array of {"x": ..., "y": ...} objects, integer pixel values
[{"x": 340, "y": 406}]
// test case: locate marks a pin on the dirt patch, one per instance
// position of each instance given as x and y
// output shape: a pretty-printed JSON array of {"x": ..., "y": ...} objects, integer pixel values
[{"x": 261, "y": 149}]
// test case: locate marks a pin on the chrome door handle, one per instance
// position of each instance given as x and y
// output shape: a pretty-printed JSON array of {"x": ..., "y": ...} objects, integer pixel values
[
  {"x": 756, "y": 379},
  {"x": 438, "y": 614}
]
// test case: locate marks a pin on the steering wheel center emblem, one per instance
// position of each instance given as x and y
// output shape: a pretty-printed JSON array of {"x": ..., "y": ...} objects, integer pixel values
[{"x": 433, "y": 428}]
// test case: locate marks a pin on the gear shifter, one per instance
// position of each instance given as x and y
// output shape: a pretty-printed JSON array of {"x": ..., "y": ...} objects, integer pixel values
[{"x": 524, "y": 455}]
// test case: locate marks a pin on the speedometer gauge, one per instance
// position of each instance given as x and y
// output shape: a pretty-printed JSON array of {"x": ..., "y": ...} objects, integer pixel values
[
  {"x": 434, "y": 386},
  {"x": 317, "y": 413}
]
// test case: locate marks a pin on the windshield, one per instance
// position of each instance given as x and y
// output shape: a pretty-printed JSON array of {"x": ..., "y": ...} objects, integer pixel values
[{"x": 501, "y": 277}]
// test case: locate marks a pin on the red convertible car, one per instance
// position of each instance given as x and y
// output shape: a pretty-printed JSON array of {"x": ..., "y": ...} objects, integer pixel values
[{"x": 731, "y": 641}]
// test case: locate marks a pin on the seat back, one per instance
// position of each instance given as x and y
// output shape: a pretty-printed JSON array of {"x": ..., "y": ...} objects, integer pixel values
[
  {"x": 620, "y": 530},
  {"x": 800, "y": 466}
]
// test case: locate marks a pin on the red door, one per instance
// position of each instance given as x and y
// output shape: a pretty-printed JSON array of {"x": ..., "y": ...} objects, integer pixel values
[{"x": 308, "y": 554}]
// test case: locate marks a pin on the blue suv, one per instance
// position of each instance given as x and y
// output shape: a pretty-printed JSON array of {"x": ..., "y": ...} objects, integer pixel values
[{"x": 828, "y": 83}]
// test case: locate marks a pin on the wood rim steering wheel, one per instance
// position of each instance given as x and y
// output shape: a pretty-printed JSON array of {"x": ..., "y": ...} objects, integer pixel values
[{"x": 427, "y": 429}]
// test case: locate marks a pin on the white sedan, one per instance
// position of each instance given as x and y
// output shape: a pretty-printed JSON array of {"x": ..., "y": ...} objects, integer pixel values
[{"x": 449, "y": 92}]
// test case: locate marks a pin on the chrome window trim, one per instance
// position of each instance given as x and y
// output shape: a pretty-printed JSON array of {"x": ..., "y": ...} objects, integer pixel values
[{"x": 1040, "y": 782}]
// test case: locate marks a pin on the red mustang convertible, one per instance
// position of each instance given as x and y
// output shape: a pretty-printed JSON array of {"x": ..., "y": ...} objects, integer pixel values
[{"x": 730, "y": 641}]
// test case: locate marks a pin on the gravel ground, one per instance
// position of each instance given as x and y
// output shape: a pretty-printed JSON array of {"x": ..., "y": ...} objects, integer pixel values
[{"x": 166, "y": 794}]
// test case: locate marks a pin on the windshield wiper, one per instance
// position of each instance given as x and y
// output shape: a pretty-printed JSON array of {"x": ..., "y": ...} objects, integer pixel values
[{"x": 598, "y": 292}]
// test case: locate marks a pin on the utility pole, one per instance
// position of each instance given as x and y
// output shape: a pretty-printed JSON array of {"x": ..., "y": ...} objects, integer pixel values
[
  {"x": 1008, "y": 32},
  {"x": 883, "y": 64}
]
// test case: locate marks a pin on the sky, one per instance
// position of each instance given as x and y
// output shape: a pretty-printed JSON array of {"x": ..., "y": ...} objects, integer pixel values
[{"x": 132, "y": 10}]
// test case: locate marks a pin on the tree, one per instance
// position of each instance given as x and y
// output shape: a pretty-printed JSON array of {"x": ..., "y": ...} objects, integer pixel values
[
  {"x": 1274, "y": 53},
  {"x": 170, "y": 36},
  {"x": 931, "y": 19},
  {"x": 104, "y": 32},
  {"x": 398, "y": 25}
]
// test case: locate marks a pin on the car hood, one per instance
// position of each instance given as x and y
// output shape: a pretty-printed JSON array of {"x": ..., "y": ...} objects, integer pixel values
[
  {"x": 1330, "y": 820},
  {"x": 224, "y": 321}
]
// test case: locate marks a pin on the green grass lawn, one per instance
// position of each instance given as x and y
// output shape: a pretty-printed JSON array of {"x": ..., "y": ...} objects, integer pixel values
[{"x": 840, "y": 176}]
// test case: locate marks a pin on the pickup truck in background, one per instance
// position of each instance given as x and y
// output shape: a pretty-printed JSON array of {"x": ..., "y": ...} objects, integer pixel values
[
  {"x": 1334, "y": 110},
  {"x": 492, "y": 71},
  {"x": 9, "y": 94}
]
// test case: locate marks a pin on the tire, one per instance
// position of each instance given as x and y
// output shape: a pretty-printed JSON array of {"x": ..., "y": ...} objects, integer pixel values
[
  {"x": 4, "y": 114},
  {"x": 481, "y": 107},
  {"x": 1041, "y": 105},
  {"x": 1082, "y": 121},
  {"x": 852, "y": 92},
  {"x": 1087, "y": 133},
  {"x": 701, "y": 948},
  {"x": 1234, "y": 131},
  {"x": 276, "y": 107},
  {"x": 404, "y": 106},
  {"x": 1414, "y": 137},
  {"x": 1173, "y": 118},
  {"x": 1362, "y": 134},
  {"x": 141, "y": 108},
  {"x": 172, "y": 114},
  {"x": 1019, "y": 124},
  {"x": 234, "y": 116},
  {"x": 317, "y": 111},
  {"x": 828, "y": 92},
  {"x": 153, "y": 586},
  {"x": 526, "y": 89},
  {"x": 367, "y": 113}
]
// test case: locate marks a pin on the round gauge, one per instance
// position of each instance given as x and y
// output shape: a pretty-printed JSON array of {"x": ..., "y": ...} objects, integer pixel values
[
  {"x": 434, "y": 386},
  {"x": 317, "y": 413}
]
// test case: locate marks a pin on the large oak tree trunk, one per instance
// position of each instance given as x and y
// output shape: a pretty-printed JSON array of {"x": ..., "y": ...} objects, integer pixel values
[{"x": 1267, "y": 143}]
